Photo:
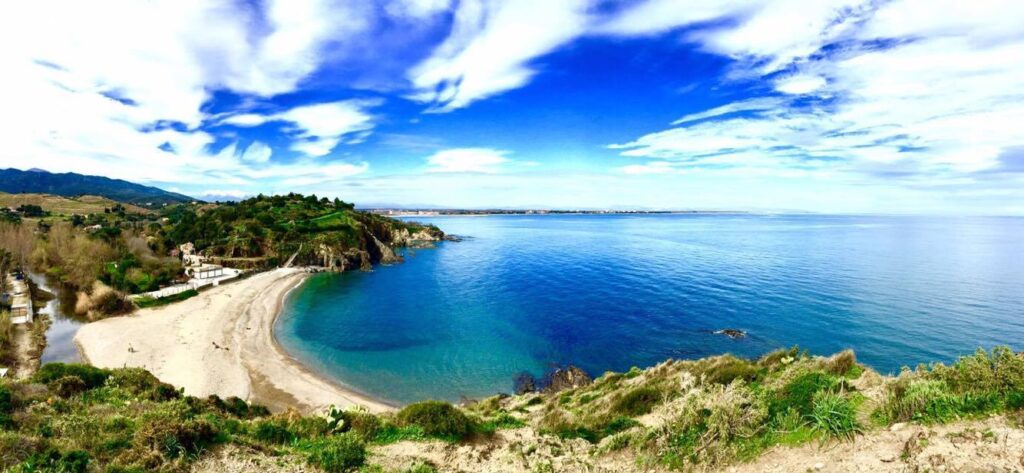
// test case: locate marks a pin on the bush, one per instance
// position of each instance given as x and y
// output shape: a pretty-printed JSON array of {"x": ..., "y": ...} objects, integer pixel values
[
  {"x": 834, "y": 416},
  {"x": 274, "y": 431},
  {"x": 637, "y": 402},
  {"x": 437, "y": 419},
  {"x": 174, "y": 439},
  {"x": 799, "y": 393},
  {"x": 420, "y": 467},
  {"x": 76, "y": 461},
  {"x": 841, "y": 363},
  {"x": 363, "y": 424},
  {"x": 92, "y": 377},
  {"x": 6, "y": 406},
  {"x": 729, "y": 368},
  {"x": 67, "y": 386},
  {"x": 338, "y": 453}
]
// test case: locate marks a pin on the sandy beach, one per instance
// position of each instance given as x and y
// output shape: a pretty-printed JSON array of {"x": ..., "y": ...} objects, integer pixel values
[{"x": 220, "y": 342}]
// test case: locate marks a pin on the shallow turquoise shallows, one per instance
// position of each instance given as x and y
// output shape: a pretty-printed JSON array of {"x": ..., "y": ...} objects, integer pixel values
[{"x": 526, "y": 293}]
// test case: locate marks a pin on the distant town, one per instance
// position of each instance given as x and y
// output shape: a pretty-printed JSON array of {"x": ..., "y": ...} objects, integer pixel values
[{"x": 443, "y": 212}]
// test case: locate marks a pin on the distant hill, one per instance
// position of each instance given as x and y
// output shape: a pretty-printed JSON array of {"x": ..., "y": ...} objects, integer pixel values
[
  {"x": 55, "y": 204},
  {"x": 16, "y": 181}
]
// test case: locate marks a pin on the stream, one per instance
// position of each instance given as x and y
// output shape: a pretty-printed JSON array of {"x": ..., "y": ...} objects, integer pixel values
[{"x": 60, "y": 337}]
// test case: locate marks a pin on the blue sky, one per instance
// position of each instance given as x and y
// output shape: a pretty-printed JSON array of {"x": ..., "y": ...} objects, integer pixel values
[{"x": 847, "y": 106}]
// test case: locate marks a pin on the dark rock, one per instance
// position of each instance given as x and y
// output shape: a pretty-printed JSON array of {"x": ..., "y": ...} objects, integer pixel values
[
  {"x": 525, "y": 383},
  {"x": 566, "y": 378},
  {"x": 732, "y": 333}
]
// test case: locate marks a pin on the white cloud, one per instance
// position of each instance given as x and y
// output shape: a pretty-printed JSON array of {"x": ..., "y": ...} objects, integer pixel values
[
  {"x": 257, "y": 153},
  {"x": 319, "y": 127},
  {"x": 800, "y": 84},
  {"x": 917, "y": 90},
  {"x": 468, "y": 160},
  {"x": 490, "y": 47},
  {"x": 87, "y": 90}
]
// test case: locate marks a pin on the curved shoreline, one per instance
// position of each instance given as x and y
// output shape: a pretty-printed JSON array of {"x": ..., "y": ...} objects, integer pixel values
[
  {"x": 221, "y": 342},
  {"x": 298, "y": 365}
]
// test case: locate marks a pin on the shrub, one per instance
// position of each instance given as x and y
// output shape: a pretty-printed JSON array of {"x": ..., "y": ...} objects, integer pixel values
[
  {"x": 438, "y": 419},
  {"x": 363, "y": 424},
  {"x": 637, "y": 402},
  {"x": 841, "y": 363},
  {"x": 725, "y": 370},
  {"x": 67, "y": 386},
  {"x": 274, "y": 431},
  {"x": 780, "y": 357},
  {"x": 420, "y": 467},
  {"x": 135, "y": 380},
  {"x": 76, "y": 461},
  {"x": 92, "y": 377},
  {"x": 174, "y": 439},
  {"x": 6, "y": 406},
  {"x": 338, "y": 453},
  {"x": 834, "y": 415},
  {"x": 799, "y": 393},
  {"x": 619, "y": 424}
]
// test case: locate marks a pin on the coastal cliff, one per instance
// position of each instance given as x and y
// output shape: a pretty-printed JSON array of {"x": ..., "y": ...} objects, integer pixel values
[{"x": 266, "y": 231}]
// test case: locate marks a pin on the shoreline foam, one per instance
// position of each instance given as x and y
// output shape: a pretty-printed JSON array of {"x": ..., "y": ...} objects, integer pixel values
[{"x": 221, "y": 342}]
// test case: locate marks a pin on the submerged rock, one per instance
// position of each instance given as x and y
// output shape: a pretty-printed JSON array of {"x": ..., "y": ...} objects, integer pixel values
[{"x": 732, "y": 333}]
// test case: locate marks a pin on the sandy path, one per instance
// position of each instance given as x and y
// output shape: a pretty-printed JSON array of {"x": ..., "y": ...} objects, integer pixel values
[{"x": 220, "y": 342}]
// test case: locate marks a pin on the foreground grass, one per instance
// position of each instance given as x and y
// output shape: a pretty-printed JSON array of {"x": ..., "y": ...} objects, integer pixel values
[{"x": 678, "y": 415}]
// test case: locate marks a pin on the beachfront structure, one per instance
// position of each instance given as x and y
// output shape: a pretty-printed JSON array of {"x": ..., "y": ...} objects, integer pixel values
[
  {"x": 201, "y": 276},
  {"x": 210, "y": 271}
]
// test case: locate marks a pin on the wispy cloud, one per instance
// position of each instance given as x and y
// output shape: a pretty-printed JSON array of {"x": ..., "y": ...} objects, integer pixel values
[
  {"x": 879, "y": 89},
  {"x": 490, "y": 46},
  {"x": 468, "y": 160},
  {"x": 318, "y": 128}
]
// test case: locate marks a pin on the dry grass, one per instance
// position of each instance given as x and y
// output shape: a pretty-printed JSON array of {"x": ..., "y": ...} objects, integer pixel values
[{"x": 83, "y": 205}]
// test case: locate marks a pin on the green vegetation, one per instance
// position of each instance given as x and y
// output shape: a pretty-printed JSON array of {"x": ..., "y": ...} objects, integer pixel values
[
  {"x": 271, "y": 228},
  {"x": 73, "y": 185},
  {"x": 679, "y": 414},
  {"x": 147, "y": 302},
  {"x": 437, "y": 419},
  {"x": 976, "y": 385},
  {"x": 101, "y": 250}
]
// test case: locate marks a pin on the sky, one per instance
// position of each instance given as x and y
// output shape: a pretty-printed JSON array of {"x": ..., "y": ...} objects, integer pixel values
[{"x": 838, "y": 106}]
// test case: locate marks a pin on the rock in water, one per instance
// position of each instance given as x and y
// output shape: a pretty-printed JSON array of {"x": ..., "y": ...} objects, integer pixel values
[
  {"x": 732, "y": 333},
  {"x": 567, "y": 378},
  {"x": 525, "y": 383}
]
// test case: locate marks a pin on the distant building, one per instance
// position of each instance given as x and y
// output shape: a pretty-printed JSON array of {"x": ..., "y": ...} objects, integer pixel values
[{"x": 209, "y": 271}]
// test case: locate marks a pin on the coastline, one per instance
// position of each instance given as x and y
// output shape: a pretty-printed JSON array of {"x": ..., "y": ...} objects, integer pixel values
[{"x": 221, "y": 342}]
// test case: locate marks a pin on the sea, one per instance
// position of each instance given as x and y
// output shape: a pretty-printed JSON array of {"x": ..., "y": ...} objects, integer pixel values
[{"x": 528, "y": 293}]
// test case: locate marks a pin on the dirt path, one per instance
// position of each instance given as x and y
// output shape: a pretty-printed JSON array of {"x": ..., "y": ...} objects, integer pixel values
[{"x": 24, "y": 364}]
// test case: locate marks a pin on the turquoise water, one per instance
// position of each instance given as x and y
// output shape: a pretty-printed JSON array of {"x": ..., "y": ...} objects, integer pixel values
[{"x": 526, "y": 293}]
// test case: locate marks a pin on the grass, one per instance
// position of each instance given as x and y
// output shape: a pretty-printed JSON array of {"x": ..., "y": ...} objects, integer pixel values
[{"x": 78, "y": 418}]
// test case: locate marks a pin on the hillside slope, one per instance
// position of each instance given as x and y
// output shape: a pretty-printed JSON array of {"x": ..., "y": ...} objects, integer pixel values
[
  {"x": 16, "y": 181},
  {"x": 786, "y": 411},
  {"x": 267, "y": 230},
  {"x": 82, "y": 205}
]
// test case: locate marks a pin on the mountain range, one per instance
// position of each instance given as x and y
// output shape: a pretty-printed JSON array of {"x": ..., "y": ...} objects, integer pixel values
[{"x": 71, "y": 184}]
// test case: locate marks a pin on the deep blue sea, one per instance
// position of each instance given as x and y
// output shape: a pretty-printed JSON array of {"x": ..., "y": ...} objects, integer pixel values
[{"x": 607, "y": 292}]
